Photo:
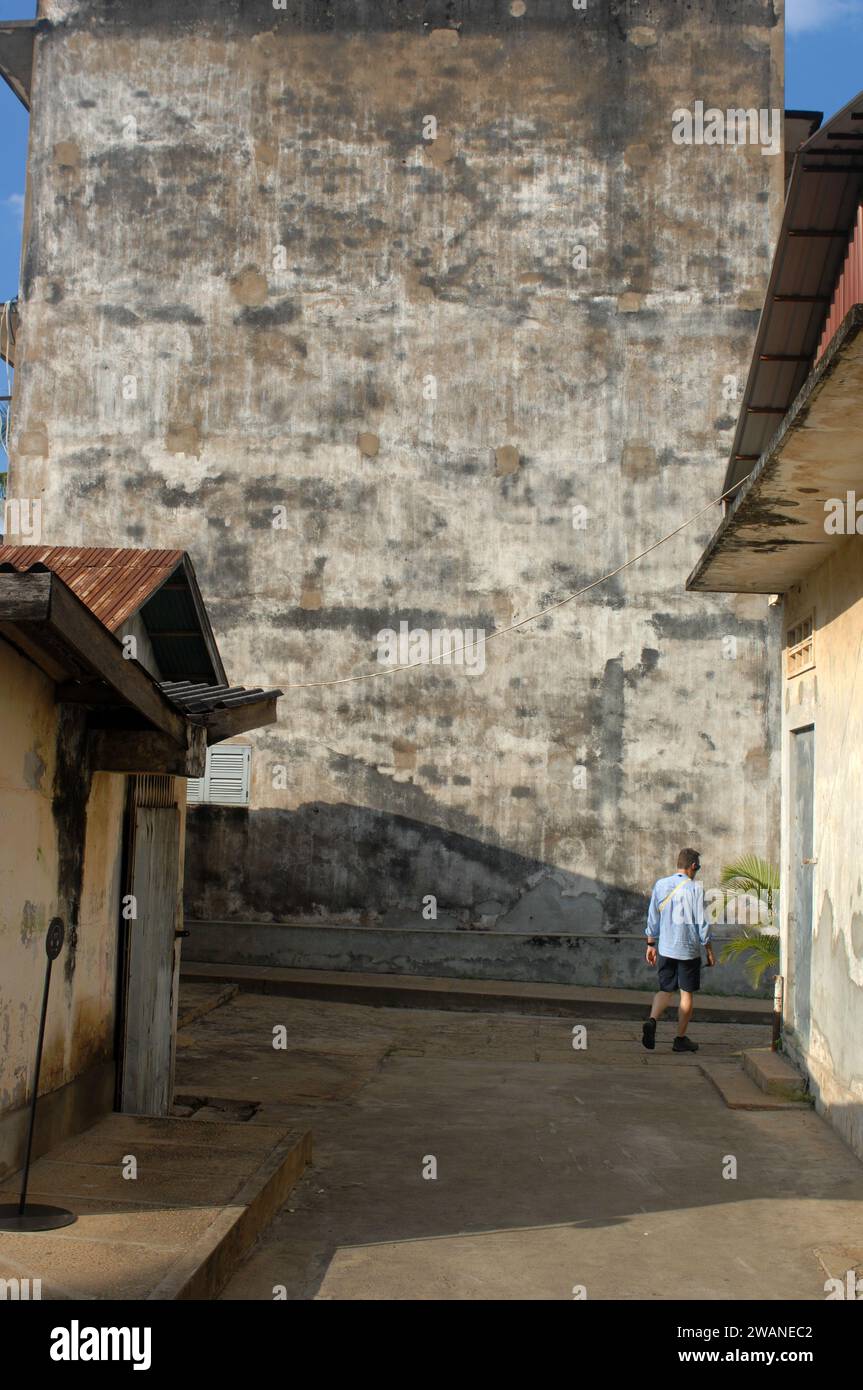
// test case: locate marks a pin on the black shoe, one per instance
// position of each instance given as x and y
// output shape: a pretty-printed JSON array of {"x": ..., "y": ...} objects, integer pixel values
[
  {"x": 684, "y": 1045},
  {"x": 648, "y": 1034}
]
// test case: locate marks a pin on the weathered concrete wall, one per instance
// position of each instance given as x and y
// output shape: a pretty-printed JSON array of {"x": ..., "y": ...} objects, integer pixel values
[
  {"x": 366, "y": 377},
  {"x": 824, "y": 1001},
  {"x": 60, "y": 855}
]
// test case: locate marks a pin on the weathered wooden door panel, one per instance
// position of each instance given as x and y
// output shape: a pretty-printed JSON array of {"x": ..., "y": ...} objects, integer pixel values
[
  {"x": 148, "y": 1053},
  {"x": 800, "y": 908}
]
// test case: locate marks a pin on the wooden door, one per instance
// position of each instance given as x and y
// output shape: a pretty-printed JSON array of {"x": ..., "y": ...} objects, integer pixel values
[
  {"x": 800, "y": 879},
  {"x": 152, "y": 957}
]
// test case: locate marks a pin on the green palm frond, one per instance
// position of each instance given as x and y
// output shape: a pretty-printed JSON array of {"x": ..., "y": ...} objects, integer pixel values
[
  {"x": 749, "y": 874},
  {"x": 761, "y": 949},
  {"x": 758, "y": 948}
]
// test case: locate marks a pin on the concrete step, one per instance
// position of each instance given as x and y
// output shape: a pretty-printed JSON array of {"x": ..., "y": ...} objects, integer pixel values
[
  {"x": 741, "y": 1093},
  {"x": 486, "y": 996},
  {"x": 774, "y": 1074},
  {"x": 201, "y": 1196},
  {"x": 207, "y": 1266}
]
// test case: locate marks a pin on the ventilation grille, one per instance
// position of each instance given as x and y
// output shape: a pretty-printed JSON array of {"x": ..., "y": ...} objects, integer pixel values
[
  {"x": 800, "y": 647},
  {"x": 153, "y": 789}
]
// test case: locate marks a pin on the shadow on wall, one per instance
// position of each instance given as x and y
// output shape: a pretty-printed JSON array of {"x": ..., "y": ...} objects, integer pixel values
[
  {"x": 341, "y": 888},
  {"x": 351, "y": 863}
]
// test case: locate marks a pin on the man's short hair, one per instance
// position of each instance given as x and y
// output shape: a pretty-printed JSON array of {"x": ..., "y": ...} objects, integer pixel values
[{"x": 687, "y": 858}]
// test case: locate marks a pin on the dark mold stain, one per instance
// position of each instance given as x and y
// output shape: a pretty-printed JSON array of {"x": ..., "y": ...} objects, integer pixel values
[
  {"x": 69, "y": 806},
  {"x": 268, "y": 315}
]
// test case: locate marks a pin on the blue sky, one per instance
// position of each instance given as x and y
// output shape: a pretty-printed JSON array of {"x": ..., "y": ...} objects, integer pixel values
[
  {"x": 824, "y": 70},
  {"x": 13, "y": 158}
]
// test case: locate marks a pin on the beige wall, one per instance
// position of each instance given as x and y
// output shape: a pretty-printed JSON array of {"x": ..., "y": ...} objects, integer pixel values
[
  {"x": 79, "y": 1031},
  {"x": 830, "y": 696}
]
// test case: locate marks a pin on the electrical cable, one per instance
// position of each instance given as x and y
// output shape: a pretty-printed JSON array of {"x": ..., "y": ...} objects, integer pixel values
[{"x": 501, "y": 632}]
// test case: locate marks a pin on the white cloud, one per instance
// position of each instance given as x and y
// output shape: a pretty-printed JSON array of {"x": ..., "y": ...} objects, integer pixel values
[
  {"x": 802, "y": 16},
  {"x": 15, "y": 204}
]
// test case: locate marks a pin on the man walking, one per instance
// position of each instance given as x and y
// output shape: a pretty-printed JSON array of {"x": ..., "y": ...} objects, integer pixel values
[{"x": 676, "y": 930}]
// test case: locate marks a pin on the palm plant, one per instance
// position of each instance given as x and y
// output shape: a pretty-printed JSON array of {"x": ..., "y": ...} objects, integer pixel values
[{"x": 759, "y": 948}]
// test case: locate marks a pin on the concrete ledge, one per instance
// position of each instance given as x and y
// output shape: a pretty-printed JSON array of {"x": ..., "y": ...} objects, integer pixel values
[
  {"x": 489, "y": 996},
  {"x": 556, "y": 958},
  {"x": 774, "y": 1074}
]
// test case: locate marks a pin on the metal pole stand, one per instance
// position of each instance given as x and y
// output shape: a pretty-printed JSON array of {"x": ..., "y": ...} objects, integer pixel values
[{"x": 35, "y": 1216}]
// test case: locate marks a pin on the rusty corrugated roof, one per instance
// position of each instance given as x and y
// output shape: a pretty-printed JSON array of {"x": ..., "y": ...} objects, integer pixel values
[{"x": 112, "y": 583}]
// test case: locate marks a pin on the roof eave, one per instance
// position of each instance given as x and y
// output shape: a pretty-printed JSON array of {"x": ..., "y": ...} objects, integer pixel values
[
  {"x": 757, "y": 381},
  {"x": 227, "y": 723},
  {"x": 773, "y": 535},
  {"x": 48, "y": 625},
  {"x": 17, "y": 37}
]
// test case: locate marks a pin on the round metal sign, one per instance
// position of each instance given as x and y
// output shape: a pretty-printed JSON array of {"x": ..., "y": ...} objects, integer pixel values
[{"x": 54, "y": 940}]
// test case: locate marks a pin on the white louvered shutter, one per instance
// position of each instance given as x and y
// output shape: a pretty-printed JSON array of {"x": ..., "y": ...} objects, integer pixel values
[
  {"x": 196, "y": 789},
  {"x": 226, "y": 779}
]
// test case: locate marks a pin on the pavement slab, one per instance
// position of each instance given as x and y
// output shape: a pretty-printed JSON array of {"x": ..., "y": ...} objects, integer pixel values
[{"x": 555, "y": 1168}]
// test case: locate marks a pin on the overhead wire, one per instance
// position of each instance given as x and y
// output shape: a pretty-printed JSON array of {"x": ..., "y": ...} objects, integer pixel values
[{"x": 441, "y": 657}]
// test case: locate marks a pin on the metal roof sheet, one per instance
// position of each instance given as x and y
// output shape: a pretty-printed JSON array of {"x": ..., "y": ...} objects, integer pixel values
[
  {"x": 195, "y": 699},
  {"x": 820, "y": 211},
  {"x": 113, "y": 584},
  {"x": 774, "y": 534},
  {"x": 798, "y": 126}
]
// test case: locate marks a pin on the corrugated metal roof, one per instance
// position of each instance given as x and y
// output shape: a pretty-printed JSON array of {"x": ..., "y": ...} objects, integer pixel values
[
  {"x": 798, "y": 127},
  {"x": 112, "y": 583},
  {"x": 820, "y": 214},
  {"x": 195, "y": 699},
  {"x": 774, "y": 534}
]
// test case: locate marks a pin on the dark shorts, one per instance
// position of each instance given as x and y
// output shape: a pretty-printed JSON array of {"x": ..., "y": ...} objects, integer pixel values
[{"x": 679, "y": 974}]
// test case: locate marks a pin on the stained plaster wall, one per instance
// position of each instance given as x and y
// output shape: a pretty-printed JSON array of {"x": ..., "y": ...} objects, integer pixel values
[
  {"x": 824, "y": 987},
  {"x": 244, "y": 263},
  {"x": 60, "y": 854}
]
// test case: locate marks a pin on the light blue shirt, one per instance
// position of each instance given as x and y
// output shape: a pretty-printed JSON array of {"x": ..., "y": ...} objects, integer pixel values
[{"x": 681, "y": 926}]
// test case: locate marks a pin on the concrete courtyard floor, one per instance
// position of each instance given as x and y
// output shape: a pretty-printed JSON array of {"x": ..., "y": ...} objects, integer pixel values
[{"x": 556, "y": 1169}]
